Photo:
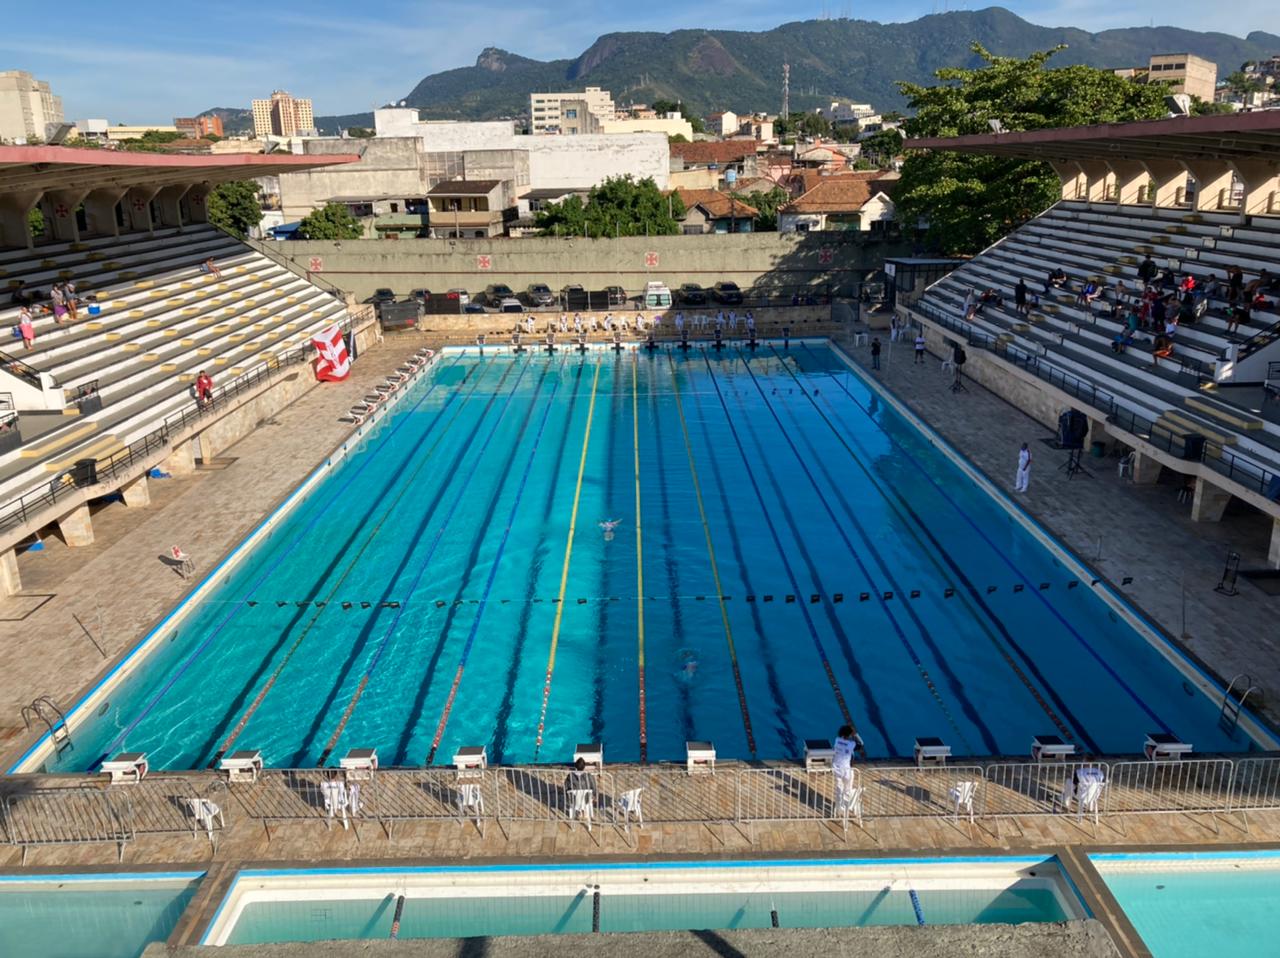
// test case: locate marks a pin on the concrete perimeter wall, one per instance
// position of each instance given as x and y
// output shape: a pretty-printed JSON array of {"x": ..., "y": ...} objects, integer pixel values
[{"x": 778, "y": 262}]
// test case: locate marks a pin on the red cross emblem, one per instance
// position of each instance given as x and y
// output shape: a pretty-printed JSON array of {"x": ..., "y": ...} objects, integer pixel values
[
  {"x": 197, "y": 200},
  {"x": 61, "y": 212},
  {"x": 484, "y": 261},
  {"x": 826, "y": 256},
  {"x": 139, "y": 204},
  {"x": 316, "y": 264},
  {"x": 650, "y": 259}
]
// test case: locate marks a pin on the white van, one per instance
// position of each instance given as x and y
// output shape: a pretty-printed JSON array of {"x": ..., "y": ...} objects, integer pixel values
[{"x": 656, "y": 296}]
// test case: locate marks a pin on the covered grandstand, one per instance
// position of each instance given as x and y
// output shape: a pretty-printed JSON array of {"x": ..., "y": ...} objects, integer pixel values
[
  {"x": 98, "y": 402},
  {"x": 1180, "y": 197}
]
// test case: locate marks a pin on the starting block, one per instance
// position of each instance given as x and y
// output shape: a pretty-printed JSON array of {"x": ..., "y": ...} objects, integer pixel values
[
  {"x": 471, "y": 761},
  {"x": 359, "y": 764},
  {"x": 700, "y": 757},
  {"x": 818, "y": 755},
  {"x": 931, "y": 751},
  {"x": 1161, "y": 745},
  {"x": 242, "y": 766},
  {"x": 1048, "y": 748},
  {"x": 127, "y": 768}
]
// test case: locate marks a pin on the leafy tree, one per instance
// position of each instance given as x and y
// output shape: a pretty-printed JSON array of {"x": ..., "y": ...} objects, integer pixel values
[
  {"x": 674, "y": 106},
  {"x": 1201, "y": 107},
  {"x": 677, "y": 138},
  {"x": 331, "y": 222},
  {"x": 767, "y": 204},
  {"x": 35, "y": 222},
  {"x": 809, "y": 124},
  {"x": 235, "y": 207},
  {"x": 619, "y": 206},
  {"x": 882, "y": 146},
  {"x": 971, "y": 200},
  {"x": 360, "y": 132},
  {"x": 212, "y": 137},
  {"x": 1243, "y": 84}
]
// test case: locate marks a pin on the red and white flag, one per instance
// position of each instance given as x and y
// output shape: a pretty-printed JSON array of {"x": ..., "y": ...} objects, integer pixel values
[{"x": 333, "y": 363}]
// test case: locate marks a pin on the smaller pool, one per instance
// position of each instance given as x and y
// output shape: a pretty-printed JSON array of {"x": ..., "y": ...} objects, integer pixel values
[
  {"x": 274, "y": 906},
  {"x": 90, "y": 916},
  {"x": 1198, "y": 903}
]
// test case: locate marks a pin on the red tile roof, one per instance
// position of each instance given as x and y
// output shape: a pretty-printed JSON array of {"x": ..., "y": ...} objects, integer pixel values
[
  {"x": 717, "y": 205},
  {"x": 705, "y": 152},
  {"x": 835, "y": 194}
]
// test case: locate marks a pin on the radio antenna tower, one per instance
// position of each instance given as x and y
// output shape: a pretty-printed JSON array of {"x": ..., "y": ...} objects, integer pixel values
[{"x": 786, "y": 90}]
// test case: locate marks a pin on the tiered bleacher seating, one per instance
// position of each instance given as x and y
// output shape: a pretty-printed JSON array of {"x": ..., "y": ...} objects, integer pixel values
[
  {"x": 162, "y": 320},
  {"x": 1104, "y": 244}
]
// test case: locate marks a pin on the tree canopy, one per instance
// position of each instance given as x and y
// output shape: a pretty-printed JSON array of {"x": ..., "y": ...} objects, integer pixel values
[
  {"x": 971, "y": 200},
  {"x": 675, "y": 106},
  {"x": 234, "y": 206},
  {"x": 882, "y": 146},
  {"x": 333, "y": 221},
  {"x": 619, "y": 206},
  {"x": 809, "y": 124},
  {"x": 767, "y": 204}
]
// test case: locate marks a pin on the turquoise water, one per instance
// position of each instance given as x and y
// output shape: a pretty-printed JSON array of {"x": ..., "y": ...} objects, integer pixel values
[
  {"x": 449, "y": 584},
  {"x": 83, "y": 919},
  {"x": 1192, "y": 906},
  {"x": 262, "y": 922}
]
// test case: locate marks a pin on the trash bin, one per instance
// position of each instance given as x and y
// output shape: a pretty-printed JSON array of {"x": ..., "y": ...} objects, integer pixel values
[
  {"x": 85, "y": 472},
  {"x": 1097, "y": 449}
]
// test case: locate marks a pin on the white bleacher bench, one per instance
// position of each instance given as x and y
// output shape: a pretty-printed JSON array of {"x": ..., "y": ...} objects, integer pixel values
[
  {"x": 700, "y": 757},
  {"x": 243, "y": 766},
  {"x": 818, "y": 755},
  {"x": 126, "y": 768},
  {"x": 1048, "y": 748},
  {"x": 1161, "y": 745},
  {"x": 931, "y": 751}
]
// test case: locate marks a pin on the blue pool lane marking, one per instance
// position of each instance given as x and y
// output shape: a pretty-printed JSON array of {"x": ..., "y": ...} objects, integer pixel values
[
  {"x": 957, "y": 687},
  {"x": 1010, "y": 563},
  {"x": 404, "y": 487},
  {"x": 320, "y": 513},
  {"x": 428, "y": 514},
  {"x": 912, "y": 521},
  {"x": 493, "y": 570}
]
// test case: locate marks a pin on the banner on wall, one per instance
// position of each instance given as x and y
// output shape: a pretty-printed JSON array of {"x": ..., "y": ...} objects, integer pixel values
[{"x": 333, "y": 362}]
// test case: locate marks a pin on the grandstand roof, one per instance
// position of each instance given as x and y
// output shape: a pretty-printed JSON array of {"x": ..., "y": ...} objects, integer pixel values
[
  {"x": 43, "y": 168},
  {"x": 1227, "y": 137}
]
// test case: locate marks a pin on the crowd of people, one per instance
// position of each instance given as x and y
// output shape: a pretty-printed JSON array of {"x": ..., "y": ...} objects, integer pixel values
[
  {"x": 695, "y": 322},
  {"x": 62, "y": 302}
]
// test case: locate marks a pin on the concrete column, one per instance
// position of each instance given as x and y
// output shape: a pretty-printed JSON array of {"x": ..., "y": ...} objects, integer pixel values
[
  {"x": 1097, "y": 433},
  {"x": 1209, "y": 502},
  {"x": 100, "y": 212},
  {"x": 136, "y": 493},
  {"x": 137, "y": 209},
  {"x": 76, "y": 528},
  {"x": 60, "y": 214},
  {"x": 168, "y": 204},
  {"x": 1096, "y": 175},
  {"x": 1146, "y": 470},
  {"x": 1213, "y": 183},
  {"x": 1170, "y": 181},
  {"x": 197, "y": 203},
  {"x": 1130, "y": 178},
  {"x": 1273, "y": 554},
  {"x": 1070, "y": 176},
  {"x": 11, "y": 582},
  {"x": 1261, "y": 186},
  {"x": 182, "y": 461},
  {"x": 14, "y": 208}
]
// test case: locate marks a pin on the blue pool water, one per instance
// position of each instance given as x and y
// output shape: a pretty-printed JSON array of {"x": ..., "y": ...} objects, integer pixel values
[
  {"x": 76, "y": 917},
  {"x": 1191, "y": 905},
  {"x": 449, "y": 583}
]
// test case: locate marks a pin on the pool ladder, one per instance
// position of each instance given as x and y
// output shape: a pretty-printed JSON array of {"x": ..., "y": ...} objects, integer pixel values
[
  {"x": 1238, "y": 691},
  {"x": 46, "y": 711}
]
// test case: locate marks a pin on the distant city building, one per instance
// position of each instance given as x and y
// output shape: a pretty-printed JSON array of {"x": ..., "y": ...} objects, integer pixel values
[
  {"x": 198, "y": 127},
  {"x": 28, "y": 108},
  {"x": 723, "y": 124},
  {"x": 569, "y": 113},
  {"x": 1181, "y": 72},
  {"x": 120, "y": 131},
  {"x": 845, "y": 113},
  {"x": 282, "y": 115},
  {"x": 95, "y": 130}
]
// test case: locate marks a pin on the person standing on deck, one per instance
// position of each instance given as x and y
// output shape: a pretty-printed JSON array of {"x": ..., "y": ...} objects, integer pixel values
[
  {"x": 1023, "y": 476},
  {"x": 848, "y": 743},
  {"x": 919, "y": 347}
]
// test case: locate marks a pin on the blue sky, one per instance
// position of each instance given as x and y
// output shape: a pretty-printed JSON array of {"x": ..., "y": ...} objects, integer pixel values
[{"x": 137, "y": 61}]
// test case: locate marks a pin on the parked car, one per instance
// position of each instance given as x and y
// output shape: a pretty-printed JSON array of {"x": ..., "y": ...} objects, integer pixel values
[
  {"x": 539, "y": 294},
  {"x": 495, "y": 293},
  {"x": 617, "y": 295},
  {"x": 727, "y": 293},
  {"x": 510, "y": 305},
  {"x": 382, "y": 295},
  {"x": 691, "y": 294},
  {"x": 473, "y": 308},
  {"x": 657, "y": 296},
  {"x": 462, "y": 295},
  {"x": 421, "y": 295}
]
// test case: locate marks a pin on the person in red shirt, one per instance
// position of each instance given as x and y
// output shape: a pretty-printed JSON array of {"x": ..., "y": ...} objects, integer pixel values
[{"x": 204, "y": 389}]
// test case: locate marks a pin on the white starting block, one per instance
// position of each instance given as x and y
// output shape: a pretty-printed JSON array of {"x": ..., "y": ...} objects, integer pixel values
[
  {"x": 1161, "y": 745},
  {"x": 700, "y": 757},
  {"x": 1051, "y": 748},
  {"x": 242, "y": 766},
  {"x": 592, "y": 754},
  {"x": 471, "y": 761},
  {"x": 359, "y": 764},
  {"x": 818, "y": 755},
  {"x": 931, "y": 751},
  {"x": 127, "y": 768}
]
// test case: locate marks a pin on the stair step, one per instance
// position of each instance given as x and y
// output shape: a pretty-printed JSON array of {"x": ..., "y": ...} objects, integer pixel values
[
  {"x": 43, "y": 447},
  {"x": 1236, "y": 418}
]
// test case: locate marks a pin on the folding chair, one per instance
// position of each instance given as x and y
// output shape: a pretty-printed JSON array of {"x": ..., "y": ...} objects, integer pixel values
[
  {"x": 204, "y": 814},
  {"x": 962, "y": 799},
  {"x": 582, "y": 805}
]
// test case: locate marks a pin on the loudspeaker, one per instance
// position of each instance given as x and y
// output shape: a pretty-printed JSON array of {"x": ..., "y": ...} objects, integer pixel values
[{"x": 1073, "y": 426}]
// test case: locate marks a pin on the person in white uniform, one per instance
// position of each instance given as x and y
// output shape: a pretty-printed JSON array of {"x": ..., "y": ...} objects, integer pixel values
[
  {"x": 1023, "y": 476},
  {"x": 848, "y": 744},
  {"x": 679, "y": 323}
]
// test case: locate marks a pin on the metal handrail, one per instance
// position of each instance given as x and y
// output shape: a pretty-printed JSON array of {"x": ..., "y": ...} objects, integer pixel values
[
  {"x": 16, "y": 367},
  {"x": 1263, "y": 337}
]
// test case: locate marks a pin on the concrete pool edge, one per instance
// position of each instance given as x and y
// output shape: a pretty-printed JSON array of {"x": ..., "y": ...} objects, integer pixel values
[
  {"x": 133, "y": 658},
  {"x": 1257, "y": 728}
]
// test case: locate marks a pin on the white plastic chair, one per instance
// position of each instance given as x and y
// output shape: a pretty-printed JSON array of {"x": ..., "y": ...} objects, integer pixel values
[
  {"x": 204, "y": 814},
  {"x": 334, "y": 793},
  {"x": 962, "y": 794},
  {"x": 849, "y": 802},
  {"x": 629, "y": 806},
  {"x": 1088, "y": 799},
  {"x": 582, "y": 805},
  {"x": 471, "y": 804},
  {"x": 1124, "y": 469}
]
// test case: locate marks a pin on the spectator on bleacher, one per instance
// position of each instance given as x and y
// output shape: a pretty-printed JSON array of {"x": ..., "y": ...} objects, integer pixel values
[
  {"x": 989, "y": 297},
  {"x": 970, "y": 303},
  {"x": 1238, "y": 315},
  {"x": 1162, "y": 348},
  {"x": 1235, "y": 283},
  {"x": 1131, "y": 320},
  {"x": 25, "y": 328},
  {"x": 1057, "y": 279},
  {"x": 1088, "y": 293},
  {"x": 20, "y": 296},
  {"x": 204, "y": 389},
  {"x": 1122, "y": 341},
  {"x": 1264, "y": 281},
  {"x": 1171, "y": 327},
  {"x": 1158, "y": 311},
  {"x": 71, "y": 300},
  {"x": 1188, "y": 284},
  {"x": 59, "y": 304},
  {"x": 1147, "y": 270},
  {"x": 1187, "y": 309},
  {"x": 210, "y": 267},
  {"x": 1020, "y": 297}
]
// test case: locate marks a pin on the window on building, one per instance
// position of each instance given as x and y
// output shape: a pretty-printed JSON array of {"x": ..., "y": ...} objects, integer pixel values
[
  {"x": 570, "y": 114},
  {"x": 395, "y": 207},
  {"x": 480, "y": 234}
]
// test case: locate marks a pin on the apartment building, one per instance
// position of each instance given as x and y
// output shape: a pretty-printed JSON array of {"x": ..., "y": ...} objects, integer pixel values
[
  {"x": 28, "y": 108},
  {"x": 282, "y": 115},
  {"x": 569, "y": 113},
  {"x": 198, "y": 127},
  {"x": 1186, "y": 73}
]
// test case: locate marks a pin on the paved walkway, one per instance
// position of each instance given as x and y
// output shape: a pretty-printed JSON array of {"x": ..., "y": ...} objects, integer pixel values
[
  {"x": 80, "y": 608},
  {"x": 1122, "y": 529}
]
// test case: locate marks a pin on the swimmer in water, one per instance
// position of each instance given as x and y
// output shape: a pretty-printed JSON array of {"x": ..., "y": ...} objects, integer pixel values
[
  {"x": 688, "y": 665},
  {"x": 608, "y": 525}
]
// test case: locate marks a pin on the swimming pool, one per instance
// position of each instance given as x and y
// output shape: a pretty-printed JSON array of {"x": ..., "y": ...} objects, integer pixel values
[
  {"x": 91, "y": 916},
  {"x": 790, "y": 552},
  {"x": 1191, "y": 904},
  {"x": 265, "y": 906}
]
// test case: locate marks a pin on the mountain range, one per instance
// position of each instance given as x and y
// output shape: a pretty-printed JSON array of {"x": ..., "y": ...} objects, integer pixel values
[{"x": 859, "y": 60}]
